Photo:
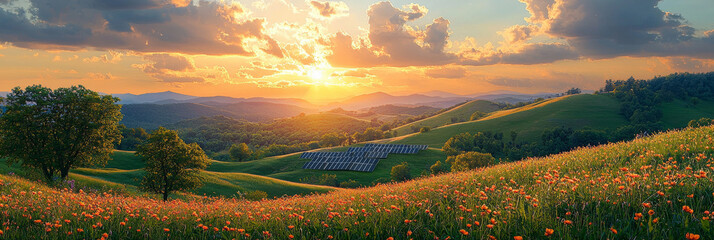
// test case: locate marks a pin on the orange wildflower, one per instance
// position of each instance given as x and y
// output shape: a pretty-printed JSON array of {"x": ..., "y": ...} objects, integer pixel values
[
  {"x": 549, "y": 232},
  {"x": 692, "y": 236}
]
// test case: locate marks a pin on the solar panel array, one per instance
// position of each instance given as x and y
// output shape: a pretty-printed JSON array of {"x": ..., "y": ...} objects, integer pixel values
[{"x": 362, "y": 159}]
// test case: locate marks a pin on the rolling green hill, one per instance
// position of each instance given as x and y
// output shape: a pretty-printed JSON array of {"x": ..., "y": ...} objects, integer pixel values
[
  {"x": 655, "y": 187},
  {"x": 677, "y": 113},
  {"x": 577, "y": 111},
  {"x": 289, "y": 167},
  {"x": 462, "y": 113},
  {"x": 123, "y": 172}
]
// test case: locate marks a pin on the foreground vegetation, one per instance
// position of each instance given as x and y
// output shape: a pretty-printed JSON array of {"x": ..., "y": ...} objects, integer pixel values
[{"x": 651, "y": 188}]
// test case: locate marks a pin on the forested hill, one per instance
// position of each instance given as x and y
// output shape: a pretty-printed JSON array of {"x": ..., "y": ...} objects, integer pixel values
[{"x": 151, "y": 116}]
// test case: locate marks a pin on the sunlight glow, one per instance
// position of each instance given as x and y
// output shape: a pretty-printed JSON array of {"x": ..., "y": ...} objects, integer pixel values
[{"x": 316, "y": 74}]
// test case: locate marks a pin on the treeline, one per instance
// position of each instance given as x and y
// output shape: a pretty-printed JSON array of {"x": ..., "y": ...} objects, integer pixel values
[
  {"x": 509, "y": 149},
  {"x": 639, "y": 104},
  {"x": 218, "y": 134},
  {"x": 639, "y": 98}
]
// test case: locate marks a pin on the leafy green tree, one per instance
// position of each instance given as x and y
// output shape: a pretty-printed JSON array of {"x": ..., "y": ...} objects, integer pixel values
[
  {"x": 401, "y": 172},
  {"x": 459, "y": 143},
  {"x": 328, "y": 180},
  {"x": 240, "y": 152},
  {"x": 424, "y": 129},
  {"x": 53, "y": 131},
  {"x": 330, "y": 140},
  {"x": 477, "y": 115},
  {"x": 350, "y": 184},
  {"x": 171, "y": 164},
  {"x": 470, "y": 160},
  {"x": 700, "y": 122},
  {"x": 438, "y": 168}
]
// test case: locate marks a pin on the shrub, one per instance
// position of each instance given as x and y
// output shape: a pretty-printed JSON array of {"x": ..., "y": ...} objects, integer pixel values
[
  {"x": 477, "y": 115},
  {"x": 349, "y": 184},
  {"x": 470, "y": 160},
  {"x": 424, "y": 129},
  {"x": 700, "y": 122},
  {"x": 438, "y": 168},
  {"x": 328, "y": 180},
  {"x": 255, "y": 195},
  {"x": 401, "y": 172}
]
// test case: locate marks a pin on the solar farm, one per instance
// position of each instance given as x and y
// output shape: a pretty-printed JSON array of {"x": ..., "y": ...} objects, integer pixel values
[{"x": 361, "y": 159}]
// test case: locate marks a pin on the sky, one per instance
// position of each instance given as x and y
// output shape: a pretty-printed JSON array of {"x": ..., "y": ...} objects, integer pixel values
[{"x": 324, "y": 50}]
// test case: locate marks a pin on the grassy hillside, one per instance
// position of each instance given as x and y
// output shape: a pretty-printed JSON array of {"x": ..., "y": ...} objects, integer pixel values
[
  {"x": 652, "y": 188},
  {"x": 578, "y": 111},
  {"x": 123, "y": 173},
  {"x": 463, "y": 113},
  {"x": 677, "y": 114},
  {"x": 289, "y": 167}
]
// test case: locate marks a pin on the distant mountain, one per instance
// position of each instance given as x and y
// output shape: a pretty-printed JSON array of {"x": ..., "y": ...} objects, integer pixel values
[
  {"x": 381, "y": 98},
  {"x": 3, "y": 94},
  {"x": 129, "y": 98},
  {"x": 218, "y": 100},
  {"x": 154, "y": 115},
  {"x": 169, "y": 97},
  {"x": 398, "y": 110}
]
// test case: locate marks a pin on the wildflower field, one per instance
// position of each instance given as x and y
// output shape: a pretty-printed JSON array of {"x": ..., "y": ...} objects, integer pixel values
[{"x": 658, "y": 187}]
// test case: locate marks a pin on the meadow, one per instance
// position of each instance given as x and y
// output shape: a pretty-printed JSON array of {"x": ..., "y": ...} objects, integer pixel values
[{"x": 657, "y": 187}]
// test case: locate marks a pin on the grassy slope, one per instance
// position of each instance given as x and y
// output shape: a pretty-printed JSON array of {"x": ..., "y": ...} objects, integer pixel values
[
  {"x": 578, "y": 111},
  {"x": 677, "y": 114},
  {"x": 124, "y": 171},
  {"x": 590, "y": 193},
  {"x": 289, "y": 167},
  {"x": 462, "y": 112}
]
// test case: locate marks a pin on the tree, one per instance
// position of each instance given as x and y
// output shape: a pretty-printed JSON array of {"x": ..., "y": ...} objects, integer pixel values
[
  {"x": 470, "y": 160},
  {"x": 424, "y": 129},
  {"x": 700, "y": 122},
  {"x": 573, "y": 91},
  {"x": 438, "y": 168},
  {"x": 477, "y": 115},
  {"x": 240, "y": 152},
  {"x": 331, "y": 140},
  {"x": 171, "y": 164},
  {"x": 54, "y": 131},
  {"x": 401, "y": 172}
]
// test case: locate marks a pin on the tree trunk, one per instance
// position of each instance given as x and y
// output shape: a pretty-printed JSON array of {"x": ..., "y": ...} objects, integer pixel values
[
  {"x": 63, "y": 174},
  {"x": 48, "y": 173},
  {"x": 166, "y": 195}
]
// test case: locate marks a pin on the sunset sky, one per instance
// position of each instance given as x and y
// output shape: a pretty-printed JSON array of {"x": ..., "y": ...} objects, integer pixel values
[{"x": 333, "y": 49}]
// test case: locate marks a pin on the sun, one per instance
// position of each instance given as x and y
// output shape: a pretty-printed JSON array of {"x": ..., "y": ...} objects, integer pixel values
[{"x": 316, "y": 74}]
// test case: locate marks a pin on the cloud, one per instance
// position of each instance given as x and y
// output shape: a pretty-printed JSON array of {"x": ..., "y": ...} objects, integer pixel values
[
  {"x": 357, "y": 73},
  {"x": 393, "y": 43},
  {"x": 161, "y": 63},
  {"x": 688, "y": 64},
  {"x": 111, "y": 57},
  {"x": 173, "y": 68},
  {"x": 519, "y": 33},
  {"x": 99, "y": 76},
  {"x": 612, "y": 28},
  {"x": 329, "y": 10},
  {"x": 209, "y": 27},
  {"x": 446, "y": 72}
]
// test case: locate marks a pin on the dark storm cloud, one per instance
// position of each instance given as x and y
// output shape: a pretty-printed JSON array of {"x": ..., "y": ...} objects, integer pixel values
[
  {"x": 612, "y": 28},
  {"x": 208, "y": 27}
]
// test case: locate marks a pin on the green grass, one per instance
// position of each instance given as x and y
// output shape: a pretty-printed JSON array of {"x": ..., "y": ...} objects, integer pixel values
[
  {"x": 123, "y": 173},
  {"x": 463, "y": 113},
  {"x": 578, "y": 111},
  {"x": 657, "y": 187},
  {"x": 289, "y": 167},
  {"x": 677, "y": 114}
]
